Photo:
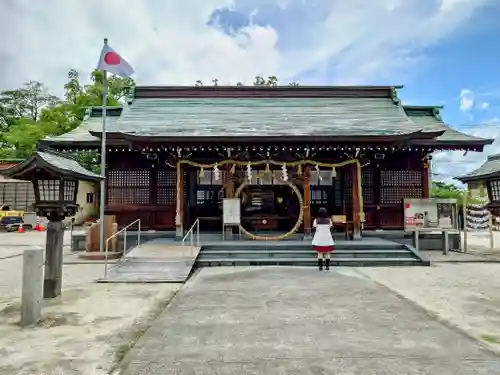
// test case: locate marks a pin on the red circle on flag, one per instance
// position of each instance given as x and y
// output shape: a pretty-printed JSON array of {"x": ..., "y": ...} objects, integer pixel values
[
  {"x": 111, "y": 58},
  {"x": 407, "y": 205}
]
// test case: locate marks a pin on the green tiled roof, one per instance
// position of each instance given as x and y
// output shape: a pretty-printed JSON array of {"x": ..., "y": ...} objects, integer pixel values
[
  {"x": 428, "y": 119},
  {"x": 263, "y": 117},
  {"x": 91, "y": 122},
  {"x": 354, "y": 111},
  {"x": 490, "y": 167},
  {"x": 51, "y": 160}
]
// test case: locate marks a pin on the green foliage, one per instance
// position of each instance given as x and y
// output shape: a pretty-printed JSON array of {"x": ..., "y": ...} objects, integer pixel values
[
  {"x": 449, "y": 191},
  {"x": 31, "y": 113},
  {"x": 446, "y": 191},
  {"x": 258, "y": 81},
  {"x": 89, "y": 160}
]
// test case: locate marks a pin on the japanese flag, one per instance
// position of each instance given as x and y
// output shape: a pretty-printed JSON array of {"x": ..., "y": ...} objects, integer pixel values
[{"x": 112, "y": 62}]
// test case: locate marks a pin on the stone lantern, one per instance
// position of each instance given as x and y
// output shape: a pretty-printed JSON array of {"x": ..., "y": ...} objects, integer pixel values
[{"x": 55, "y": 179}]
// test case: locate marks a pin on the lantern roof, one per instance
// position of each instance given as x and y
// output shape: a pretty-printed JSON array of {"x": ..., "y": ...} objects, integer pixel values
[{"x": 50, "y": 161}]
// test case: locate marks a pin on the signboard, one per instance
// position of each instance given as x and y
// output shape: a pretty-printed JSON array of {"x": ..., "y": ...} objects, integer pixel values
[
  {"x": 430, "y": 213},
  {"x": 231, "y": 211}
]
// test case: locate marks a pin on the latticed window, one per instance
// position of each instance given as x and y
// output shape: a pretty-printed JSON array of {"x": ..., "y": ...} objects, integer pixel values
[
  {"x": 129, "y": 187},
  {"x": 49, "y": 190},
  {"x": 495, "y": 190},
  {"x": 397, "y": 185},
  {"x": 69, "y": 190},
  {"x": 167, "y": 187},
  {"x": 367, "y": 185}
]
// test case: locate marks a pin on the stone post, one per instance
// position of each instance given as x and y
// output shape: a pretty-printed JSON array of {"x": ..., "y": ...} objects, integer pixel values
[
  {"x": 53, "y": 258},
  {"x": 32, "y": 288}
]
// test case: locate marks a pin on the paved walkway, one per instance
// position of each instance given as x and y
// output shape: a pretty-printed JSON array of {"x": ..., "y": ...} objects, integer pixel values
[{"x": 300, "y": 321}]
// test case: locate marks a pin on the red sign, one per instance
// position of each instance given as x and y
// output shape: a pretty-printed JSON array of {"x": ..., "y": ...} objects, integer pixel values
[{"x": 410, "y": 221}]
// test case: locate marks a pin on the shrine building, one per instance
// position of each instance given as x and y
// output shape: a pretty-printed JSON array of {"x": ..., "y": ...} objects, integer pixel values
[
  {"x": 175, "y": 152},
  {"x": 485, "y": 179}
]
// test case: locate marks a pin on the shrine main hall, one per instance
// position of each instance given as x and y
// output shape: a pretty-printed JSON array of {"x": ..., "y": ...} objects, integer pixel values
[{"x": 174, "y": 153}]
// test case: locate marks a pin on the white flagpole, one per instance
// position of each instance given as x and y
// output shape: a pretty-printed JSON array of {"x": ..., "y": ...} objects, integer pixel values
[{"x": 102, "y": 240}]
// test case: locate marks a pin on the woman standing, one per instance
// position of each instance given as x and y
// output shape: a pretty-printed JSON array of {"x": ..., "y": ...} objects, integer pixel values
[{"x": 322, "y": 241}]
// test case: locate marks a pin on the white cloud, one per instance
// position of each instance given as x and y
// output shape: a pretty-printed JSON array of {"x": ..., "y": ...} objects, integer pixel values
[
  {"x": 466, "y": 100},
  {"x": 447, "y": 165},
  {"x": 485, "y": 105},
  {"x": 169, "y": 41}
]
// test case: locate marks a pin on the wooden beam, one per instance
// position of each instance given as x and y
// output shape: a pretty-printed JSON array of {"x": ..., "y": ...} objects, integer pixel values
[
  {"x": 179, "y": 207},
  {"x": 355, "y": 203},
  {"x": 307, "y": 202},
  {"x": 426, "y": 183}
]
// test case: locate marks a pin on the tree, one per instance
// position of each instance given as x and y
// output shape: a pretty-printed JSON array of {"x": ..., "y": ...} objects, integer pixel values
[
  {"x": 30, "y": 113},
  {"x": 27, "y": 101},
  {"x": 443, "y": 190},
  {"x": 259, "y": 81}
]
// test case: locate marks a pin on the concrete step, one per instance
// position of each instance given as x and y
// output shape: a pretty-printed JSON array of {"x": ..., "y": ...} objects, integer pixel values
[
  {"x": 306, "y": 245},
  {"x": 353, "y": 262},
  {"x": 271, "y": 253}
]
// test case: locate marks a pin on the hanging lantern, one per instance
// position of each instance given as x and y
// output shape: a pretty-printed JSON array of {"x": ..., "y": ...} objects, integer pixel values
[
  {"x": 334, "y": 172},
  {"x": 299, "y": 170},
  {"x": 216, "y": 172},
  {"x": 202, "y": 172}
]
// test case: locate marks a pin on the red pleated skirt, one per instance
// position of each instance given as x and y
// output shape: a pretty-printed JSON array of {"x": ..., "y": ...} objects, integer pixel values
[{"x": 323, "y": 249}]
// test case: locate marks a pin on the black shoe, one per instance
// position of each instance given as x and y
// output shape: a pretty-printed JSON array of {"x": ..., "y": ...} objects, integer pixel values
[
  {"x": 320, "y": 264},
  {"x": 327, "y": 264}
]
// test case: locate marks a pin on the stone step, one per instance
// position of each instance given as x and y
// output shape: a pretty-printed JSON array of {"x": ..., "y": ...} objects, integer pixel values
[
  {"x": 262, "y": 246},
  {"x": 271, "y": 253},
  {"x": 355, "y": 262}
]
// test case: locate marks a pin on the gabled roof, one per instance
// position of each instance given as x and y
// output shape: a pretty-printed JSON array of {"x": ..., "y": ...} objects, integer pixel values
[
  {"x": 52, "y": 161},
  {"x": 489, "y": 169},
  {"x": 429, "y": 119},
  {"x": 91, "y": 122},
  {"x": 231, "y": 113}
]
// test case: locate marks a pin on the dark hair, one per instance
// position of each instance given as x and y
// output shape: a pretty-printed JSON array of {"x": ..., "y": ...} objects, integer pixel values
[{"x": 322, "y": 217}]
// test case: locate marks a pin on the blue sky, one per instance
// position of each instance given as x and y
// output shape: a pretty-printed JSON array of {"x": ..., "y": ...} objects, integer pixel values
[
  {"x": 459, "y": 71},
  {"x": 468, "y": 60},
  {"x": 443, "y": 51}
]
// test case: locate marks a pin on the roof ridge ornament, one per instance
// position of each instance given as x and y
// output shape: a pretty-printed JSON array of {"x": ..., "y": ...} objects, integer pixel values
[
  {"x": 436, "y": 112},
  {"x": 394, "y": 96}
]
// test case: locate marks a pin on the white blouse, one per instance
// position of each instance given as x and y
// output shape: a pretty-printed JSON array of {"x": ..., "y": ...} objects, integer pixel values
[{"x": 322, "y": 235}]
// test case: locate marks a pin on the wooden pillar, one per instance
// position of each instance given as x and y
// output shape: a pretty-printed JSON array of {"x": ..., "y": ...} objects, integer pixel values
[
  {"x": 229, "y": 184},
  {"x": 426, "y": 179},
  {"x": 179, "y": 206},
  {"x": 307, "y": 203},
  {"x": 356, "y": 198}
]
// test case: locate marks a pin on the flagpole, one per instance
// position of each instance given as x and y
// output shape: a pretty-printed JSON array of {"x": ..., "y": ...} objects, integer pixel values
[{"x": 102, "y": 240}]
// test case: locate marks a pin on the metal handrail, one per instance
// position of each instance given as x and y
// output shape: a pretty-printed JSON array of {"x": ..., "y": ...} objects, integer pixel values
[
  {"x": 190, "y": 234},
  {"x": 124, "y": 230}
]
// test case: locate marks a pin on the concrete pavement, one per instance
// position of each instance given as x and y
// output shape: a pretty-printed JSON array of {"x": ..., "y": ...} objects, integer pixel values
[{"x": 300, "y": 321}]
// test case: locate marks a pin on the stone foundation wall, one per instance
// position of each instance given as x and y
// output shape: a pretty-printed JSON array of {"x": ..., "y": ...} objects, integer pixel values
[{"x": 428, "y": 241}]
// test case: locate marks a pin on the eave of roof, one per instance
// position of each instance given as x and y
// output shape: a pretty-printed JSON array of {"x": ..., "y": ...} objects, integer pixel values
[
  {"x": 52, "y": 161},
  {"x": 489, "y": 169},
  {"x": 429, "y": 118}
]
